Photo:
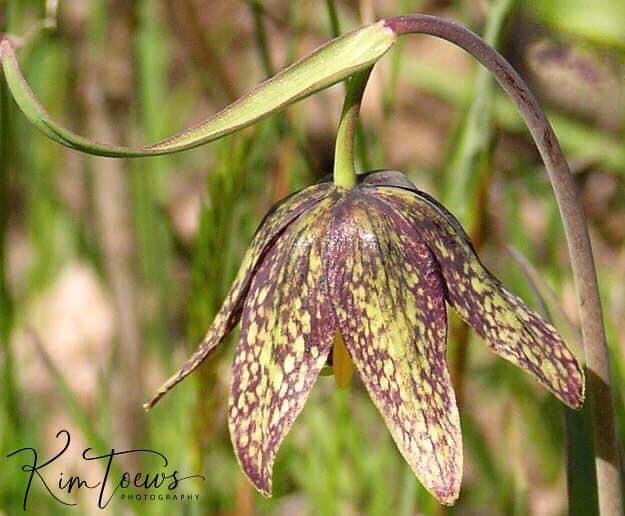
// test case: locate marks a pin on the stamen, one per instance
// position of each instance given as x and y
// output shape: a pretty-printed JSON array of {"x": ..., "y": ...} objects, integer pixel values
[{"x": 341, "y": 362}]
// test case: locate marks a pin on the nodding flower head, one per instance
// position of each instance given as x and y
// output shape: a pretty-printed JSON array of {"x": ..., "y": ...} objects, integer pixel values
[{"x": 375, "y": 265}]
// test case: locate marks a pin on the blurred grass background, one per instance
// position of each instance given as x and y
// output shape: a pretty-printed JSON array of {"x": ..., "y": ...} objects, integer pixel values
[{"x": 111, "y": 271}]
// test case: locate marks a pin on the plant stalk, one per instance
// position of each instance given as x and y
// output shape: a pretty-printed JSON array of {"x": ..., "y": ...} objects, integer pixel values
[
  {"x": 578, "y": 240},
  {"x": 344, "y": 168}
]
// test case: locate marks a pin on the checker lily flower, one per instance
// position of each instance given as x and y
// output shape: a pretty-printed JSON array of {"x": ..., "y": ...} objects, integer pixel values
[
  {"x": 362, "y": 270},
  {"x": 374, "y": 267}
]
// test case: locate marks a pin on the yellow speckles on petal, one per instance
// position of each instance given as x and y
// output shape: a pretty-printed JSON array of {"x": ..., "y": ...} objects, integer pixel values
[
  {"x": 228, "y": 315},
  {"x": 510, "y": 327},
  {"x": 252, "y": 333},
  {"x": 275, "y": 418},
  {"x": 478, "y": 285},
  {"x": 427, "y": 389},
  {"x": 426, "y": 445},
  {"x": 390, "y": 337},
  {"x": 499, "y": 301},
  {"x": 287, "y": 311},
  {"x": 442, "y": 248},
  {"x": 276, "y": 376},
  {"x": 305, "y": 321},
  {"x": 262, "y": 295},
  {"x": 315, "y": 262},
  {"x": 420, "y": 427},
  {"x": 549, "y": 369},
  {"x": 299, "y": 345},
  {"x": 283, "y": 389},
  {"x": 508, "y": 318},
  {"x": 292, "y": 328}
]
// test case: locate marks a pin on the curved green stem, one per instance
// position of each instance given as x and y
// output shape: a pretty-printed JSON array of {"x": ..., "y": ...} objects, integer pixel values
[
  {"x": 578, "y": 240},
  {"x": 344, "y": 169}
]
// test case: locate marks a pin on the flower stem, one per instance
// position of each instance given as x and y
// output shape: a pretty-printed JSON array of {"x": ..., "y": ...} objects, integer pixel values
[
  {"x": 344, "y": 169},
  {"x": 578, "y": 240}
]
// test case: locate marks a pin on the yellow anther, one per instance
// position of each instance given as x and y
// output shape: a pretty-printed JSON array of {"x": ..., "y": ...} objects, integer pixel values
[{"x": 341, "y": 362}]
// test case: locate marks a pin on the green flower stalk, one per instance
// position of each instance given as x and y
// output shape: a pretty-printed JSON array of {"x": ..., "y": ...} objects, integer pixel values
[{"x": 362, "y": 269}]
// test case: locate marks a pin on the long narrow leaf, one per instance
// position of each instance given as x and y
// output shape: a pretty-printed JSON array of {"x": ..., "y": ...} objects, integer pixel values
[{"x": 328, "y": 65}]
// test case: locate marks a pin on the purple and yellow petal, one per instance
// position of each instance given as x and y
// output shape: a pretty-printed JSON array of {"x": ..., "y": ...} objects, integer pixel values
[
  {"x": 287, "y": 330},
  {"x": 365, "y": 273},
  {"x": 272, "y": 226},
  {"x": 389, "y": 300},
  {"x": 510, "y": 327}
]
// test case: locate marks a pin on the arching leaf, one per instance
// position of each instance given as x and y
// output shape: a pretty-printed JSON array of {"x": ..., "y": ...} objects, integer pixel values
[{"x": 329, "y": 64}]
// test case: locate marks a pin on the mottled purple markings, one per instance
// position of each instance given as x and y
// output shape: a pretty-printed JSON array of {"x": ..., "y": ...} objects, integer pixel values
[
  {"x": 227, "y": 318},
  {"x": 377, "y": 263}
]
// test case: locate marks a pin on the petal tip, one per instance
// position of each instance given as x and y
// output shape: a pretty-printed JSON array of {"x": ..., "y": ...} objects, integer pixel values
[
  {"x": 448, "y": 499},
  {"x": 445, "y": 485},
  {"x": 574, "y": 395},
  {"x": 264, "y": 487},
  {"x": 447, "y": 492},
  {"x": 261, "y": 481},
  {"x": 578, "y": 396},
  {"x": 257, "y": 472}
]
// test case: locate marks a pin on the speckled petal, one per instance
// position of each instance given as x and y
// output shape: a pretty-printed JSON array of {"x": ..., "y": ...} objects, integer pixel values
[
  {"x": 272, "y": 226},
  {"x": 287, "y": 330},
  {"x": 389, "y": 301},
  {"x": 511, "y": 328}
]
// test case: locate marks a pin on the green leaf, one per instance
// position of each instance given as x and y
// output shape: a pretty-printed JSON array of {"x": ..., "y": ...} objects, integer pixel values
[{"x": 328, "y": 65}]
